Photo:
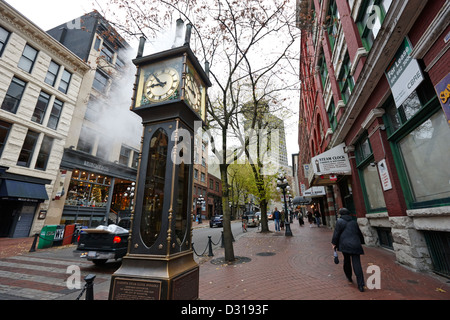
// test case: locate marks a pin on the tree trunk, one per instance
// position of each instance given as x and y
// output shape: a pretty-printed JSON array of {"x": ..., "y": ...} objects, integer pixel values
[{"x": 227, "y": 233}]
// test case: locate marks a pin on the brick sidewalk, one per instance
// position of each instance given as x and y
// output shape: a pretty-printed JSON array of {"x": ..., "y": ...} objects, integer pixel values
[
  {"x": 275, "y": 267},
  {"x": 302, "y": 267}
]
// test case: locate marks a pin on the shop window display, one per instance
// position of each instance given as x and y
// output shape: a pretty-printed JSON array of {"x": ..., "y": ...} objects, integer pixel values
[{"x": 88, "y": 189}]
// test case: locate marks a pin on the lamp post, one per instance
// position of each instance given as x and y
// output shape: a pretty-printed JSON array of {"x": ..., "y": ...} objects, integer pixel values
[
  {"x": 130, "y": 193},
  {"x": 200, "y": 202},
  {"x": 283, "y": 186}
]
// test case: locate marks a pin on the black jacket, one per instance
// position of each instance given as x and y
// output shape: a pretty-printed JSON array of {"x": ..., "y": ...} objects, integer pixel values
[{"x": 347, "y": 236}]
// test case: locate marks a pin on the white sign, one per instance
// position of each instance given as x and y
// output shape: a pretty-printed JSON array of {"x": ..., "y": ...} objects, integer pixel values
[
  {"x": 403, "y": 73},
  {"x": 314, "y": 191},
  {"x": 384, "y": 175},
  {"x": 334, "y": 161}
]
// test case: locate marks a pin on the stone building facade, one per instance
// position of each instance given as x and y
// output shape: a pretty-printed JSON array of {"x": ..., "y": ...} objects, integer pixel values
[{"x": 40, "y": 82}]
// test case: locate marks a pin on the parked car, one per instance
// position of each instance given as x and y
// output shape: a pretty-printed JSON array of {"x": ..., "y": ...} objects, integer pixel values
[
  {"x": 216, "y": 221},
  {"x": 253, "y": 220}
]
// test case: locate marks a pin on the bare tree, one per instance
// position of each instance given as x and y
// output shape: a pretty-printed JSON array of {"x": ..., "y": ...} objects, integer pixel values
[{"x": 249, "y": 47}]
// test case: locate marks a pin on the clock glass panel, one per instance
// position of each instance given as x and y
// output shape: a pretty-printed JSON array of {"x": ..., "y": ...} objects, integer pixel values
[{"x": 159, "y": 82}]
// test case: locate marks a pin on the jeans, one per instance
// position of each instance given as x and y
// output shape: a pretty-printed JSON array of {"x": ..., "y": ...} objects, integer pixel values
[
  {"x": 277, "y": 225},
  {"x": 355, "y": 260}
]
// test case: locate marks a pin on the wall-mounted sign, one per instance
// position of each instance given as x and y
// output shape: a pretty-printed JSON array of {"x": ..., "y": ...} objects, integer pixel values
[
  {"x": 403, "y": 73},
  {"x": 384, "y": 175},
  {"x": 443, "y": 93}
]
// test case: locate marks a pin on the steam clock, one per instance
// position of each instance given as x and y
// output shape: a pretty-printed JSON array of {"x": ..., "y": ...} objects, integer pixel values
[{"x": 169, "y": 96}]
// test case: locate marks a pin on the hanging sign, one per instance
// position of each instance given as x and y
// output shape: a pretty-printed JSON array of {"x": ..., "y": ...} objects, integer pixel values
[
  {"x": 334, "y": 161},
  {"x": 403, "y": 73}
]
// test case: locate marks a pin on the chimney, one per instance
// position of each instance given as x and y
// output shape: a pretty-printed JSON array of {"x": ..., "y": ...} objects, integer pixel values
[{"x": 141, "y": 47}]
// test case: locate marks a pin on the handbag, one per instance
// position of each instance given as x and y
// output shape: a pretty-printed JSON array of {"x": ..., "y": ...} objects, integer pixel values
[{"x": 336, "y": 258}]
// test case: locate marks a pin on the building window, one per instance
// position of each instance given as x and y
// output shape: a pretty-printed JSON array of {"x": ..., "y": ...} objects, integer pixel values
[
  {"x": 419, "y": 132},
  {"x": 44, "y": 153},
  {"x": 333, "y": 23},
  {"x": 203, "y": 177},
  {"x": 135, "y": 162},
  {"x": 55, "y": 114},
  {"x": 41, "y": 107},
  {"x": 100, "y": 81},
  {"x": 104, "y": 148},
  {"x": 323, "y": 69},
  {"x": 107, "y": 53},
  {"x": 195, "y": 174},
  {"x": 4, "y": 36},
  {"x": 27, "y": 149},
  {"x": 86, "y": 140},
  {"x": 370, "y": 19},
  {"x": 346, "y": 82},
  {"x": 125, "y": 154},
  {"x": 368, "y": 174},
  {"x": 13, "y": 95},
  {"x": 28, "y": 58},
  {"x": 332, "y": 116},
  {"x": 65, "y": 81},
  {"x": 4, "y": 131},
  {"x": 52, "y": 73}
]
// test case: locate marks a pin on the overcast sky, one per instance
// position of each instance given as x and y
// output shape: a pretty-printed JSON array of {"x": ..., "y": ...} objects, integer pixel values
[{"x": 47, "y": 14}]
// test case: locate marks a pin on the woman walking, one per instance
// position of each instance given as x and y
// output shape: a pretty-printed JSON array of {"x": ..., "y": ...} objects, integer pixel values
[{"x": 347, "y": 237}]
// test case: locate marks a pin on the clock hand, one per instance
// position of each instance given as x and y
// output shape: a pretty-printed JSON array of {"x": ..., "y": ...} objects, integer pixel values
[{"x": 160, "y": 83}]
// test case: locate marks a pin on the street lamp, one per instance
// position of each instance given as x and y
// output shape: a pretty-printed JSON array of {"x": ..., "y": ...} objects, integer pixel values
[
  {"x": 200, "y": 202},
  {"x": 130, "y": 193},
  {"x": 283, "y": 186}
]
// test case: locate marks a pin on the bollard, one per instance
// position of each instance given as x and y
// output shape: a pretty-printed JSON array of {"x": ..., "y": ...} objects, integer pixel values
[
  {"x": 223, "y": 242},
  {"x": 210, "y": 253},
  {"x": 33, "y": 246},
  {"x": 89, "y": 286}
]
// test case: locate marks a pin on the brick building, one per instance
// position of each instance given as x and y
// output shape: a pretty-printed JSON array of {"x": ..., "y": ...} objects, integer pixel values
[{"x": 375, "y": 78}]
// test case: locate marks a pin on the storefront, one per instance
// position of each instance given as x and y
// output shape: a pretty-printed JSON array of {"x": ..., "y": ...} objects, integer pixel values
[
  {"x": 20, "y": 199},
  {"x": 97, "y": 191}
]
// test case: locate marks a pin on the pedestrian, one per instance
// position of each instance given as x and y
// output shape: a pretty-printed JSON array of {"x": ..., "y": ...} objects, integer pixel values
[
  {"x": 347, "y": 237},
  {"x": 317, "y": 217},
  {"x": 276, "y": 218},
  {"x": 282, "y": 219},
  {"x": 300, "y": 218},
  {"x": 310, "y": 218}
]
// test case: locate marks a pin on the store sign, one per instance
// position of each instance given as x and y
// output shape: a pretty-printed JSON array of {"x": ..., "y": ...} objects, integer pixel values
[
  {"x": 443, "y": 93},
  {"x": 314, "y": 192},
  {"x": 403, "y": 74},
  {"x": 334, "y": 161}
]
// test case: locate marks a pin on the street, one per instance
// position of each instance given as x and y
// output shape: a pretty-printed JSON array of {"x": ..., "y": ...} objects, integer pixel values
[{"x": 44, "y": 274}]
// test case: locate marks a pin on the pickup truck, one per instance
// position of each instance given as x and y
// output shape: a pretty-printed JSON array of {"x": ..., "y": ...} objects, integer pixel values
[{"x": 103, "y": 243}]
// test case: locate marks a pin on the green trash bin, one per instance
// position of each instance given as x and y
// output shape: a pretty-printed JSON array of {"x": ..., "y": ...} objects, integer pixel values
[{"x": 46, "y": 236}]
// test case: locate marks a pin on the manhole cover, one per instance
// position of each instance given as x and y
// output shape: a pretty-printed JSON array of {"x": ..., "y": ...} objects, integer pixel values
[
  {"x": 266, "y": 254},
  {"x": 238, "y": 260}
]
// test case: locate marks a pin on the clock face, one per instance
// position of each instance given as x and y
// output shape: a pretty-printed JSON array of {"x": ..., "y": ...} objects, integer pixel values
[
  {"x": 192, "y": 91},
  {"x": 161, "y": 84}
]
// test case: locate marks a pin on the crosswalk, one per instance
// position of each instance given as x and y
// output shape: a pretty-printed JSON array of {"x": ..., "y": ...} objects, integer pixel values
[{"x": 41, "y": 278}]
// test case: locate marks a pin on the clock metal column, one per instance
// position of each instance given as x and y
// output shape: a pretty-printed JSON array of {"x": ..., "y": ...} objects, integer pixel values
[{"x": 170, "y": 96}]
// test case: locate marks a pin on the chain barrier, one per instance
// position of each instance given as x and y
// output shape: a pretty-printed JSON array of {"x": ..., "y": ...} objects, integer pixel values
[
  {"x": 88, "y": 287},
  {"x": 208, "y": 247}
]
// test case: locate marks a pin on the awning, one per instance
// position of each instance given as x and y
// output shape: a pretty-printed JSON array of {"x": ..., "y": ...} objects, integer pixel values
[{"x": 12, "y": 189}]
